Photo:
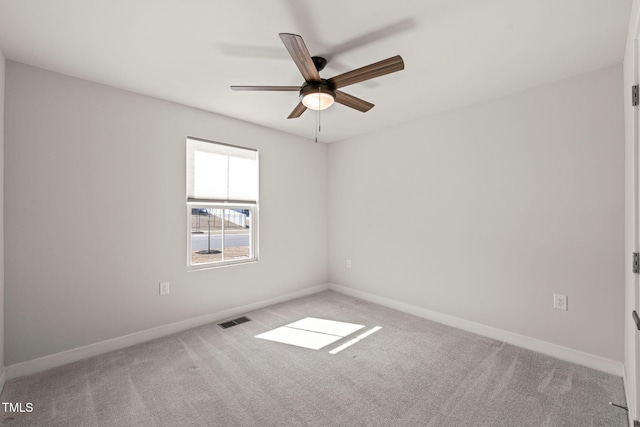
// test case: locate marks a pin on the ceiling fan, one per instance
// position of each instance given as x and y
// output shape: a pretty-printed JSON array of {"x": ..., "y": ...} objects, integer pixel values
[{"x": 317, "y": 93}]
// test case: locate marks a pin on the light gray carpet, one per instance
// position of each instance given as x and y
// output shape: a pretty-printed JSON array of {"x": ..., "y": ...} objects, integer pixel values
[{"x": 413, "y": 372}]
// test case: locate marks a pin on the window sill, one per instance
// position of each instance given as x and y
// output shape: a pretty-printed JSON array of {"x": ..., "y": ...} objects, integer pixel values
[{"x": 212, "y": 266}]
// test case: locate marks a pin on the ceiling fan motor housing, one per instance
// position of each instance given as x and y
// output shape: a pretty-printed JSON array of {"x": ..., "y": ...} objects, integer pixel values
[{"x": 322, "y": 86}]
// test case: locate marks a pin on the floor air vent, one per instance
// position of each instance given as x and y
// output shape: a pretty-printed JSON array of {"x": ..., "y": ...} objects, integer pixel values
[{"x": 234, "y": 322}]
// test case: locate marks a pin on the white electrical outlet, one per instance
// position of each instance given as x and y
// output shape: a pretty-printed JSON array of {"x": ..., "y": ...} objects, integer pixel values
[
  {"x": 164, "y": 288},
  {"x": 348, "y": 263},
  {"x": 560, "y": 301}
]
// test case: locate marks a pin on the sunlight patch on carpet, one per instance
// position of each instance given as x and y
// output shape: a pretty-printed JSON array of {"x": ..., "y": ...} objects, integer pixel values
[
  {"x": 311, "y": 332},
  {"x": 355, "y": 340}
]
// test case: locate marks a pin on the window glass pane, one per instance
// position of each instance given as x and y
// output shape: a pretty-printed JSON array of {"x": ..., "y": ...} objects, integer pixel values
[
  {"x": 219, "y": 234},
  {"x": 237, "y": 242},
  {"x": 206, "y": 235}
]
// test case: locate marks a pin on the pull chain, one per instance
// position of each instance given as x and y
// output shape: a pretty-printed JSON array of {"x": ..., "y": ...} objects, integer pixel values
[
  {"x": 318, "y": 117},
  {"x": 318, "y": 125}
]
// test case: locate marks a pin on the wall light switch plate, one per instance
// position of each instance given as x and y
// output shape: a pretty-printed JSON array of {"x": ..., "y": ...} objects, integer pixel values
[
  {"x": 560, "y": 301},
  {"x": 164, "y": 288},
  {"x": 348, "y": 263}
]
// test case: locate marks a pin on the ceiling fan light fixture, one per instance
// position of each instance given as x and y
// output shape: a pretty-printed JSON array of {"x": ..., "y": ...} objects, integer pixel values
[
  {"x": 317, "y": 95},
  {"x": 317, "y": 101}
]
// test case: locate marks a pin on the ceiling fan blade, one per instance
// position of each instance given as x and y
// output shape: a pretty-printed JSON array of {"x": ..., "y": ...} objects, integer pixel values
[
  {"x": 270, "y": 88},
  {"x": 300, "y": 55},
  {"x": 377, "y": 69},
  {"x": 353, "y": 102},
  {"x": 297, "y": 112}
]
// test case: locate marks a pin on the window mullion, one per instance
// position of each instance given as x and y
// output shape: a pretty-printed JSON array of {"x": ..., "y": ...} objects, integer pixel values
[{"x": 224, "y": 214}]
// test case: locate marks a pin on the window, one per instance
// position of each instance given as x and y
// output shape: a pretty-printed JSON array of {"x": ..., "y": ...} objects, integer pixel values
[{"x": 222, "y": 204}]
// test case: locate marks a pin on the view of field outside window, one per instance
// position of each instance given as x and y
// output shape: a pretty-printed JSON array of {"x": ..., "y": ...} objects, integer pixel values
[{"x": 219, "y": 234}]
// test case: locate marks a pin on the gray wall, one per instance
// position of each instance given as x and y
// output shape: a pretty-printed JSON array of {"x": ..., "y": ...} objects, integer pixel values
[
  {"x": 485, "y": 212},
  {"x": 481, "y": 213},
  {"x": 96, "y": 217}
]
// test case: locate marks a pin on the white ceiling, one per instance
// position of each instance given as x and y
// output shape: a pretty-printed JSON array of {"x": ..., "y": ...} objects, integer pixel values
[{"x": 456, "y": 53}]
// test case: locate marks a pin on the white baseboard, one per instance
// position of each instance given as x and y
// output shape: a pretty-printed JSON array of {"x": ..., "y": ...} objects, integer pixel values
[
  {"x": 571, "y": 355},
  {"x": 73, "y": 355}
]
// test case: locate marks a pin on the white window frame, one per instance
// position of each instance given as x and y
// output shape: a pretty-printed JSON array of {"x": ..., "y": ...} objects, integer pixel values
[{"x": 197, "y": 203}]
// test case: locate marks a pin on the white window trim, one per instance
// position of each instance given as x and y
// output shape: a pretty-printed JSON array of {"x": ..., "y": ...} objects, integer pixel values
[{"x": 223, "y": 204}]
